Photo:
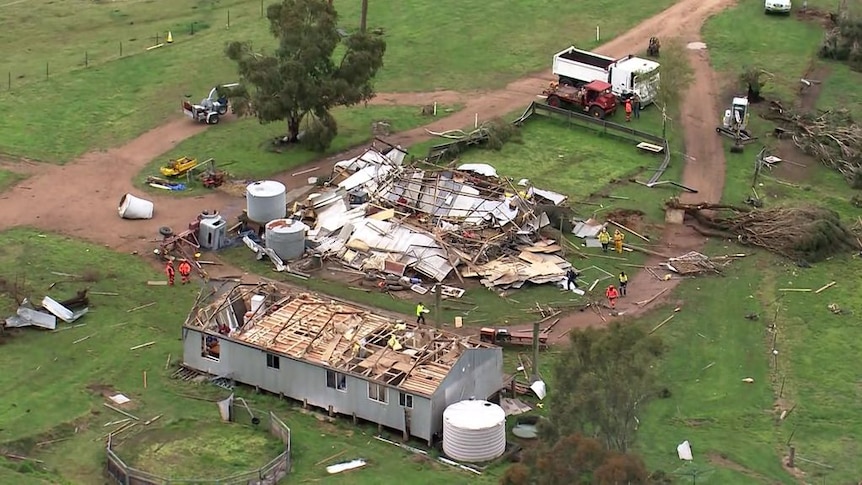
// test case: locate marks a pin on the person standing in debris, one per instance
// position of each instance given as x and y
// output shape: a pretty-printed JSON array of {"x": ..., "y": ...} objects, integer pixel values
[
  {"x": 618, "y": 241},
  {"x": 169, "y": 271},
  {"x": 605, "y": 239},
  {"x": 420, "y": 314},
  {"x": 628, "y": 106},
  {"x": 612, "y": 294},
  {"x": 185, "y": 271},
  {"x": 624, "y": 282},
  {"x": 571, "y": 278},
  {"x": 636, "y": 106}
]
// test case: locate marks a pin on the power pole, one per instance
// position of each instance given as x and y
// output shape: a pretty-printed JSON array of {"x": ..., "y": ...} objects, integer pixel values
[
  {"x": 363, "y": 19},
  {"x": 535, "y": 373}
]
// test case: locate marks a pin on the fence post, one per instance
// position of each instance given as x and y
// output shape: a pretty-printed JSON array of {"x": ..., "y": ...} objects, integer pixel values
[
  {"x": 9, "y": 81},
  {"x": 86, "y": 59},
  {"x": 46, "y": 70},
  {"x": 192, "y": 29},
  {"x": 261, "y": 8},
  {"x": 228, "y": 18},
  {"x": 121, "y": 48}
]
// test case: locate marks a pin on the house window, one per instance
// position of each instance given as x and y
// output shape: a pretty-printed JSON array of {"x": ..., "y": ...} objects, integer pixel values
[
  {"x": 405, "y": 400},
  {"x": 210, "y": 347},
  {"x": 378, "y": 393},
  {"x": 336, "y": 380},
  {"x": 273, "y": 362}
]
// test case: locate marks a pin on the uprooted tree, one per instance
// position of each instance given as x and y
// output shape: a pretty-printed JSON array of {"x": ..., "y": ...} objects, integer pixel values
[
  {"x": 804, "y": 234},
  {"x": 753, "y": 79},
  {"x": 843, "y": 42},
  {"x": 832, "y": 137},
  {"x": 604, "y": 378},
  {"x": 301, "y": 81}
]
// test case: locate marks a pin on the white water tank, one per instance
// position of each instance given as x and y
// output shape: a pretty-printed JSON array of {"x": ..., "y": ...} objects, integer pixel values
[
  {"x": 474, "y": 431},
  {"x": 286, "y": 237},
  {"x": 266, "y": 201}
]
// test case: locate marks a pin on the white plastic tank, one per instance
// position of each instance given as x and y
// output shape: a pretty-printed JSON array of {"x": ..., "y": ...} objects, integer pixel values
[
  {"x": 286, "y": 237},
  {"x": 131, "y": 207},
  {"x": 266, "y": 201},
  {"x": 474, "y": 431}
]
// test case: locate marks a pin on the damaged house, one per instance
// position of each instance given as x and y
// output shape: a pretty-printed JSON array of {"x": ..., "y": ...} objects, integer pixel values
[
  {"x": 339, "y": 356},
  {"x": 380, "y": 214}
]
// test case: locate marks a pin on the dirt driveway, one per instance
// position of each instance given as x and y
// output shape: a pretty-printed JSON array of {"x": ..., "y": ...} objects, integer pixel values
[{"x": 80, "y": 199}]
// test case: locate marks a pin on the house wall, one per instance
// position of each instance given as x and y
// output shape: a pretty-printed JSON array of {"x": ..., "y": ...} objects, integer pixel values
[
  {"x": 304, "y": 381},
  {"x": 477, "y": 374}
]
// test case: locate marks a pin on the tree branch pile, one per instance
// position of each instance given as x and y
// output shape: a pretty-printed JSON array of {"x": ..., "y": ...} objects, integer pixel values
[
  {"x": 805, "y": 233},
  {"x": 831, "y": 137}
]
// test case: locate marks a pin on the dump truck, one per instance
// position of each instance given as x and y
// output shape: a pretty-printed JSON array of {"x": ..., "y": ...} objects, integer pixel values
[
  {"x": 594, "y": 98},
  {"x": 576, "y": 67}
]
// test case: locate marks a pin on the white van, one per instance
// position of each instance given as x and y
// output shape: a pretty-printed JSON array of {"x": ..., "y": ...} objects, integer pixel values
[{"x": 777, "y": 6}]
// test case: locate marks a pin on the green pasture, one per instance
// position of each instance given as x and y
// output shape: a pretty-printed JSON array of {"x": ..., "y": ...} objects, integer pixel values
[
  {"x": 734, "y": 427},
  {"x": 67, "y": 94},
  {"x": 244, "y": 146}
]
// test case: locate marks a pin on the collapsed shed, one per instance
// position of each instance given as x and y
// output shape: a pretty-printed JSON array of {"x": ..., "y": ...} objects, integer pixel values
[{"x": 430, "y": 219}]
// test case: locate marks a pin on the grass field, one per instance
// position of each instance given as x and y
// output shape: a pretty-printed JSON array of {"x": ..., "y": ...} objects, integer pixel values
[
  {"x": 200, "y": 449},
  {"x": 58, "y": 387},
  {"x": 119, "y": 98},
  {"x": 734, "y": 427},
  {"x": 243, "y": 146}
]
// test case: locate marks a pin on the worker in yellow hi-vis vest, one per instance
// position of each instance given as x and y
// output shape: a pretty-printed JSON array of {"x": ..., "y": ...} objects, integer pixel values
[
  {"x": 618, "y": 241},
  {"x": 624, "y": 282},
  {"x": 604, "y": 239},
  {"x": 420, "y": 314}
]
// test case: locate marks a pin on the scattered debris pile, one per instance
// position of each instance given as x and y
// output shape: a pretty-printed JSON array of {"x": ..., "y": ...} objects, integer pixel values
[
  {"x": 805, "y": 233},
  {"x": 833, "y": 138},
  {"x": 379, "y": 214},
  {"x": 691, "y": 263},
  {"x": 46, "y": 314}
]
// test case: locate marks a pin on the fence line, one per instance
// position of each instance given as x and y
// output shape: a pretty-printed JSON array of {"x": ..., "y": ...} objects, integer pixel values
[
  {"x": 268, "y": 474},
  {"x": 448, "y": 150},
  {"x": 125, "y": 49}
]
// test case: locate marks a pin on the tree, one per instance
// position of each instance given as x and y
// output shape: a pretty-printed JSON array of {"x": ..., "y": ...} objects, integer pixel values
[
  {"x": 676, "y": 76},
  {"x": 602, "y": 380},
  {"x": 576, "y": 460},
  {"x": 301, "y": 80},
  {"x": 753, "y": 79}
]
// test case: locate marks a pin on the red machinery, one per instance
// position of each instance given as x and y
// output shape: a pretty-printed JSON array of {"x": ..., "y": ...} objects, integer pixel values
[{"x": 594, "y": 98}]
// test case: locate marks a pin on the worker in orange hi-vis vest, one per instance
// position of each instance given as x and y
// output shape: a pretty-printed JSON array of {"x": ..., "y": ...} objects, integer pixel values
[
  {"x": 628, "y": 106},
  {"x": 612, "y": 295},
  {"x": 185, "y": 270},
  {"x": 169, "y": 270}
]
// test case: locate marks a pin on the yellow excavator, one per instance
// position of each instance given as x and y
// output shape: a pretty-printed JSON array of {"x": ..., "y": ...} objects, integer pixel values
[{"x": 179, "y": 166}]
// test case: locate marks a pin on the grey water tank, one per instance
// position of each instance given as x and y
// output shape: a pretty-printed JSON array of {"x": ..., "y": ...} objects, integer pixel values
[
  {"x": 286, "y": 237},
  {"x": 266, "y": 201}
]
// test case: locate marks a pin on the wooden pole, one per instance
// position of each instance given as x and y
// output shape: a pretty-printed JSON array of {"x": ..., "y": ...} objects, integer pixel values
[
  {"x": 145, "y": 379},
  {"x": 624, "y": 228},
  {"x": 363, "y": 18},
  {"x": 438, "y": 295},
  {"x": 535, "y": 369},
  {"x": 792, "y": 457}
]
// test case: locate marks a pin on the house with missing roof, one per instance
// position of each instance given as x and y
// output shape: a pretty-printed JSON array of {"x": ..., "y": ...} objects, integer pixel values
[{"x": 339, "y": 356}]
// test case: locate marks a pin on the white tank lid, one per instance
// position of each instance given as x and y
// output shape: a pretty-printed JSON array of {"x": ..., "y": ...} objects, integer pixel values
[
  {"x": 286, "y": 226},
  {"x": 474, "y": 415},
  {"x": 266, "y": 188}
]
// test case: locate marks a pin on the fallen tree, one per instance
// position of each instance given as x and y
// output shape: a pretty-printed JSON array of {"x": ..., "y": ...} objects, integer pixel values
[
  {"x": 803, "y": 234},
  {"x": 832, "y": 137}
]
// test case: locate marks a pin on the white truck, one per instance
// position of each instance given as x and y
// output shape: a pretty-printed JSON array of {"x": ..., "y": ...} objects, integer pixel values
[{"x": 628, "y": 75}]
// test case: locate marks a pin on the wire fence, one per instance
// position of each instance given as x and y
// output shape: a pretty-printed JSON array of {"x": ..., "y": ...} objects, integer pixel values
[
  {"x": 137, "y": 42},
  {"x": 268, "y": 474}
]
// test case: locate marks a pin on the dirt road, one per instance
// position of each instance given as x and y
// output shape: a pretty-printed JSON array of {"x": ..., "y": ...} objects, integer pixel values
[{"x": 80, "y": 199}]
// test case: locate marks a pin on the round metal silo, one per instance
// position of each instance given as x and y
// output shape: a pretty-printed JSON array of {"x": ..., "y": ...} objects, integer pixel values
[
  {"x": 286, "y": 237},
  {"x": 266, "y": 201}
]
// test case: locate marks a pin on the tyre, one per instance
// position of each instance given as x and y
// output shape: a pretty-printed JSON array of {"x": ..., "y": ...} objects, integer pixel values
[
  {"x": 222, "y": 109},
  {"x": 597, "y": 112},
  {"x": 213, "y": 120},
  {"x": 554, "y": 101},
  {"x": 166, "y": 231}
]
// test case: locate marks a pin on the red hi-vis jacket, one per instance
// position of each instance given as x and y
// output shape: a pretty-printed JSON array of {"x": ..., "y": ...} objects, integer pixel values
[
  {"x": 612, "y": 293},
  {"x": 185, "y": 268}
]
